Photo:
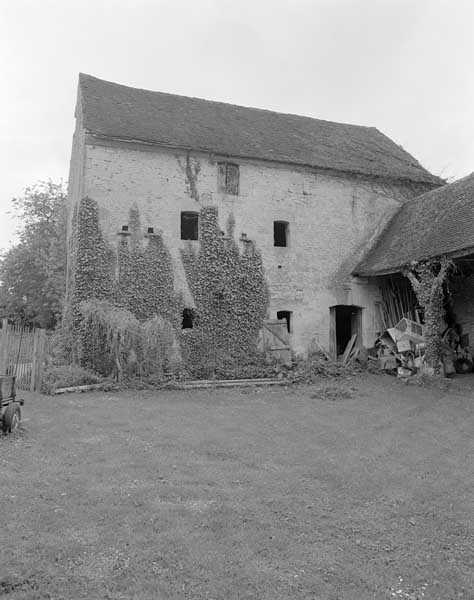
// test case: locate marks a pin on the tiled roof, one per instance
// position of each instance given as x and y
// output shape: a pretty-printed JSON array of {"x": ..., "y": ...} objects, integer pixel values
[
  {"x": 437, "y": 223},
  {"x": 118, "y": 111}
]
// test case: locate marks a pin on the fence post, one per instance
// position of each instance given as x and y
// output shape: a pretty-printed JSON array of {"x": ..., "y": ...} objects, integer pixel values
[
  {"x": 34, "y": 361},
  {"x": 4, "y": 347},
  {"x": 40, "y": 359}
]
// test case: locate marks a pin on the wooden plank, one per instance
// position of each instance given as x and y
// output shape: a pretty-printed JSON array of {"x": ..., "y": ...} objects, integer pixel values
[
  {"x": 322, "y": 349},
  {"x": 282, "y": 334},
  {"x": 354, "y": 355},
  {"x": 34, "y": 362},
  {"x": 41, "y": 357},
  {"x": 4, "y": 347},
  {"x": 382, "y": 316},
  {"x": 332, "y": 332},
  {"x": 276, "y": 335},
  {"x": 347, "y": 351},
  {"x": 189, "y": 385}
]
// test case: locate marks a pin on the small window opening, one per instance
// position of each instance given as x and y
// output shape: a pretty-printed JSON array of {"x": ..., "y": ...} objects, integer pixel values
[
  {"x": 189, "y": 225},
  {"x": 280, "y": 233},
  {"x": 124, "y": 227},
  {"x": 188, "y": 318},
  {"x": 150, "y": 230},
  {"x": 228, "y": 178},
  {"x": 286, "y": 315}
]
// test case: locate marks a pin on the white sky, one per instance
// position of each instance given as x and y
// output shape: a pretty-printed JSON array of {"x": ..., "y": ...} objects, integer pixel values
[{"x": 404, "y": 66}]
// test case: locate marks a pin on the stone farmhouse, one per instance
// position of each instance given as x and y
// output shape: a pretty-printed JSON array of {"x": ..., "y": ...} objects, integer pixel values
[{"x": 314, "y": 195}]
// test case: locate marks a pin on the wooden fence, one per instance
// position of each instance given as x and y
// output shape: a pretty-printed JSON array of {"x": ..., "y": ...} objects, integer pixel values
[{"x": 22, "y": 353}]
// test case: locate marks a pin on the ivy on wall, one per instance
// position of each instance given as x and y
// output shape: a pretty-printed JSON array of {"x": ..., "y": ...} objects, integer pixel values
[
  {"x": 93, "y": 259},
  {"x": 231, "y": 298},
  {"x": 145, "y": 283},
  {"x": 229, "y": 289},
  {"x": 191, "y": 171},
  {"x": 428, "y": 279},
  {"x": 93, "y": 265},
  {"x": 137, "y": 278}
]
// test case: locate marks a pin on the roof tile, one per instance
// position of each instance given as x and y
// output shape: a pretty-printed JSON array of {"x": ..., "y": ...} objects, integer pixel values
[
  {"x": 437, "y": 223},
  {"x": 118, "y": 111}
]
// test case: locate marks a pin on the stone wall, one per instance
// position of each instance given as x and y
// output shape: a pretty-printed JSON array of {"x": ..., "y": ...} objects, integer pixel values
[
  {"x": 75, "y": 186},
  {"x": 332, "y": 220}
]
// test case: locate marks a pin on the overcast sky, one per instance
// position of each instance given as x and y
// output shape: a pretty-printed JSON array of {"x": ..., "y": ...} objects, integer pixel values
[{"x": 406, "y": 67}]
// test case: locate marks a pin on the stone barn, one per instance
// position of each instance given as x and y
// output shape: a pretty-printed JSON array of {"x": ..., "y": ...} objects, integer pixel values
[{"x": 314, "y": 195}]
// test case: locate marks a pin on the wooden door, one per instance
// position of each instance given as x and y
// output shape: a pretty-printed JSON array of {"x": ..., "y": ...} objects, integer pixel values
[{"x": 276, "y": 341}]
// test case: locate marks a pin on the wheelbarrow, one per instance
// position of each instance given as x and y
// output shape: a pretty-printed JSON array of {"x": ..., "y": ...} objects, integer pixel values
[{"x": 10, "y": 408}]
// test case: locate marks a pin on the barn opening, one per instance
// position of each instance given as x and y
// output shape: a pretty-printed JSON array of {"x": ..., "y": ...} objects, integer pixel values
[{"x": 345, "y": 321}]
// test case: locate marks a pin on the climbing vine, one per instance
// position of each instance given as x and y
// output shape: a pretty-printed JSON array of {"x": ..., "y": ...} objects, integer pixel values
[
  {"x": 127, "y": 316},
  {"x": 136, "y": 283},
  {"x": 428, "y": 279},
  {"x": 93, "y": 259},
  {"x": 145, "y": 283},
  {"x": 191, "y": 171},
  {"x": 231, "y": 297}
]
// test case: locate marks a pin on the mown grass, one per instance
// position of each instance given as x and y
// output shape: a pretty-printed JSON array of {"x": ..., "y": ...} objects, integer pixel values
[{"x": 282, "y": 493}]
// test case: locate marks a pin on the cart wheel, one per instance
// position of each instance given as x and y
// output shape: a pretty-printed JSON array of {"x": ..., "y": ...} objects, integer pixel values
[{"x": 12, "y": 417}]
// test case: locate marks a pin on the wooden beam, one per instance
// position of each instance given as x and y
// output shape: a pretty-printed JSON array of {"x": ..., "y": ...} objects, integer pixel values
[{"x": 347, "y": 351}]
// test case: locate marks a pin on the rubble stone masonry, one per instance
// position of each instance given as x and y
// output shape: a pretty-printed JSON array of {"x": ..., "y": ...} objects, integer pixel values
[{"x": 332, "y": 219}]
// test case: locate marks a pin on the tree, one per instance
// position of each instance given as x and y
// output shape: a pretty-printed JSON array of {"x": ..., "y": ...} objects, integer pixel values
[{"x": 33, "y": 272}]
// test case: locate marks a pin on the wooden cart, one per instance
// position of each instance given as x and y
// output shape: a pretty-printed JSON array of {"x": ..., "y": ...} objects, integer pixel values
[{"x": 10, "y": 407}]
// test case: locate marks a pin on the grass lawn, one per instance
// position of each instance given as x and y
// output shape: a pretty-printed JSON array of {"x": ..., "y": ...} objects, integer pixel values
[{"x": 277, "y": 493}]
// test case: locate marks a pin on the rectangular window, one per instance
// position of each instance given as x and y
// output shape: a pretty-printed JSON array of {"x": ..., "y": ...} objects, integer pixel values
[
  {"x": 228, "y": 178},
  {"x": 188, "y": 318},
  {"x": 286, "y": 315},
  {"x": 280, "y": 233},
  {"x": 189, "y": 225}
]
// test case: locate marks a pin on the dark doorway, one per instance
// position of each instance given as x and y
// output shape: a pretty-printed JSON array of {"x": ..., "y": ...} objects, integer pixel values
[{"x": 345, "y": 321}]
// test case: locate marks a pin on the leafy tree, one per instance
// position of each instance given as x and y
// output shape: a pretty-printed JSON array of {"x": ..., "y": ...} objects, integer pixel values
[{"x": 33, "y": 272}]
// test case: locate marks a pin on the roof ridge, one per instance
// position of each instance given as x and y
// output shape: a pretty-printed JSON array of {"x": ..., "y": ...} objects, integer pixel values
[{"x": 221, "y": 102}]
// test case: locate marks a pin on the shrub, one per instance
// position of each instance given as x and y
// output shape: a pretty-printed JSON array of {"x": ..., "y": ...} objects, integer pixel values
[
  {"x": 110, "y": 339},
  {"x": 160, "y": 348},
  {"x": 60, "y": 349},
  {"x": 56, "y": 377},
  {"x": 311, "y": 368},
  {"x": 114, "y": 342}
]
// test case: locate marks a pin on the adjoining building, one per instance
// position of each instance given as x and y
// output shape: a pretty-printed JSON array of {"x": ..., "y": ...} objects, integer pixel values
[
  {"x": 314, "y": 195},
  {"x": 439, "y": 223}
]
